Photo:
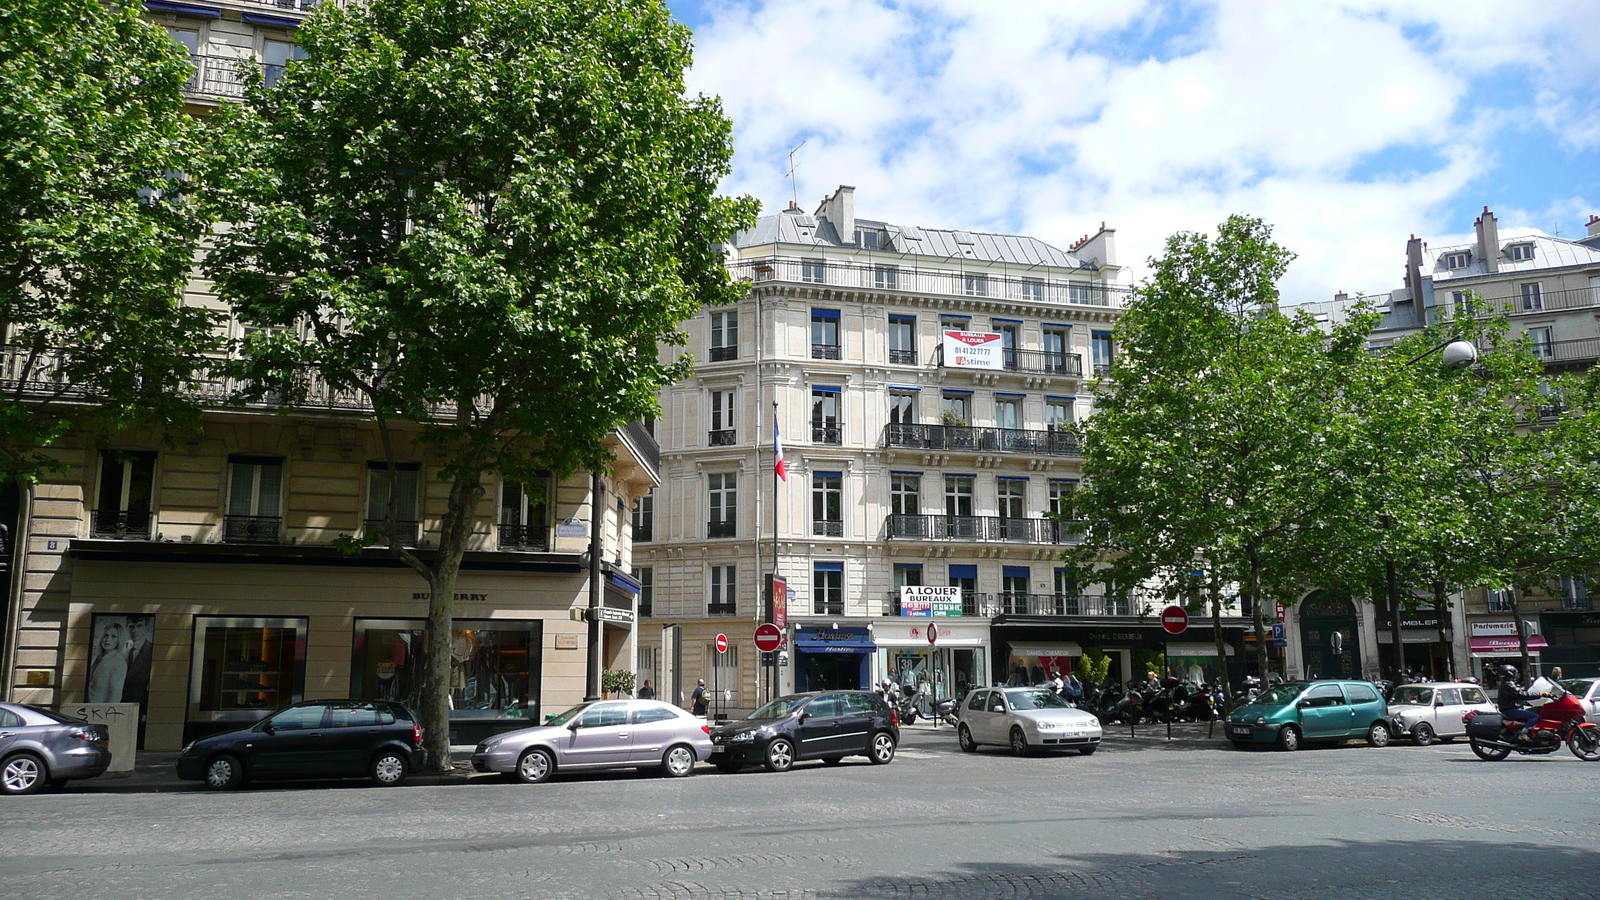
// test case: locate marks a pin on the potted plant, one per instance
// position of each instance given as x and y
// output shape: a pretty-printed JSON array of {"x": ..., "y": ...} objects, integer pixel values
[{"x": 617, "y": 682}]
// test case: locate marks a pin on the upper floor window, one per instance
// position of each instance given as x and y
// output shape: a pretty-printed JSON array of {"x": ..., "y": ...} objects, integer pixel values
[
  {"x": 275, "y": 58},
  {"x": 1033, "y": 290},
  {"x": 1080, "y": 292},
  {"x": 1532, "y": 296},
  {"x": 872, "y": 239},
  {"x": 724, "y": 497},
  {"x": 827, "y": 504},
  {"x": 824, "y": 334},
  {"x": 1543, "y": 347},
  {"x": 1100, "y": 343},
  {"x": 902, "y": 407},
  {"x": 1458, "y": 260},
  {"x": 954, "y": 322},
  {"x": 723, "y": 433},
  {"x": 1057, "y": 412},
  {"x": 1461, "y": 302},
  {"x": 812, "y": 270},
  {"x": 1519, "y": 252},
  {"x": 957, "y": 409},
  {"x": 1574, "y": 593},
  {"x": 723, "y": 601},
  {"x": 122, "y": 504},
  {"x": 974, "y": 284},
  {"x": 905, "y": 494},
  {"x": 1061, "y": 498},
  {"x": 1008, "y": 342},
  {"x": 1008, "y": 412},
  {"x": 1056, "y": 340},
  {"x": 958, "y": 495},
  {"x": 188, "y": 38},
  {"x": 1011, "y": 496},
  {"x": 647, "y": 601},
  {"x": 644, "y": 517},
  {"x": 724, "y": 335},
  {"x": 886, "y": 277},
  {"x": 827, "y": 589},
  {"x": 1499, "y": 599},
  {"x": 525, "y": 515},
  {"x": 406, "y": 479},
  {"x": 255, "y": 498},
  {"x": 825, "y": 416},
  {"x": 903, "y": 340}
]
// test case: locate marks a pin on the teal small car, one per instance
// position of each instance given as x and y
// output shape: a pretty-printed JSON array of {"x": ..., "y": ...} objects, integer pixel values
[{"x": 1300, "y": 711}]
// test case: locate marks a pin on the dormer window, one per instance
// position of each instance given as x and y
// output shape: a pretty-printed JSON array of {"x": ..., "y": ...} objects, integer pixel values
[
  {"x": 872, "y": 239},
  {"x": 1459, "y": 260},
  {"x": 1519, "y": 252}
]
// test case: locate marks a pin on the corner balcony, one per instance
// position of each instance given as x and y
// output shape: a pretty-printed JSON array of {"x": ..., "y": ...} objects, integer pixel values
[
  {"x": 524, "y": 538},
  {"x": 1029, "y": 441},
  {"x": 982, "y": 529},
  {"x": 913, "y": 279}
]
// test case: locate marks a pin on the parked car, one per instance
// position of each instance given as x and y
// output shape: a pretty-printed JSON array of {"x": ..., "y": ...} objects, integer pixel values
[
  {"x": 1297, "y": 712},
  {"x": 1430, "y": 711},
  {"x": 1026, "y": 719},
  {"x": 605, "y": 734},
  {"x": 39, "y": 748},
  {"x": 829, "y": 726},
  {"x": 1587, "y": 691},
  {"x": 312, "y": 739}
]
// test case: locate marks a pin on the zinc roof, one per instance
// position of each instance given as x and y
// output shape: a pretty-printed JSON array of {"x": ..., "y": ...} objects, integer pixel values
[
  {"x": 935, "y": 243},
  {"x": 1548, "y": 253}
]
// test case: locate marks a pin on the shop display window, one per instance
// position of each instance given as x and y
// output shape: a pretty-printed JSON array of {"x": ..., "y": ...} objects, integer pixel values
[
  {"x": 245, "y": 668},
  {"x": 494, "y": 665}
]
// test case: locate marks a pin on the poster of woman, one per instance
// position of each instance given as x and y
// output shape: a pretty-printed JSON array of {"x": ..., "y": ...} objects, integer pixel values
[{"x": 120, "y": 652}]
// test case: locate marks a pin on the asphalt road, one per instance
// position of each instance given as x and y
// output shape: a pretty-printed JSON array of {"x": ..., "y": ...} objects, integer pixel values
[{"x": 1134, "y": 820}]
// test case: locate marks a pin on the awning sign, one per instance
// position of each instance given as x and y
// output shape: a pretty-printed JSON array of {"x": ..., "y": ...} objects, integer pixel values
[{"x": 973, "y": 350}]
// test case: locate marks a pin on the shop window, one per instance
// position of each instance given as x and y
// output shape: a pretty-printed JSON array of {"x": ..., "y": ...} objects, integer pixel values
[
  {"x": 255, "y": 498},
  {"x": 122, "y": 504},
  {"x": 244, "y": 668},
  {"x": 406, "y": 479},
  {"x": 494, "y": 665}
]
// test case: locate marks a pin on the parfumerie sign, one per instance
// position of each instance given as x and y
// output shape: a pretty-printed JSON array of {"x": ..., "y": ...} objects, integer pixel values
[
  {"x": 973, "y": 350},
  {"x": 929, "y": 600}
]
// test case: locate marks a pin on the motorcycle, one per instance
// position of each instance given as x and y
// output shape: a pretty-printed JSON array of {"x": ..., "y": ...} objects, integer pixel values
[{"x": 1560, "y": 721}]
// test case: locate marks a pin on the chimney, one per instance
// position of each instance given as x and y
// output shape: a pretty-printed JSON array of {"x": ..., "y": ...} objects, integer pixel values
[
  {"x": 1488, "y": 241},
  {"x": 1414, "y": 267},
  {"x": 1594, "y": 226},
  {"x": 793, "y": 209},
  {"x": 839, "y": 208},
  {"x": 1099, "y": 248}
]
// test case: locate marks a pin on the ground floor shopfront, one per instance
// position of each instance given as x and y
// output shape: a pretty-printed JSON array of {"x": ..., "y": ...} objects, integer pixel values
[
  {"x": 205, "y": 642},
  {"x": 1029, "y": 649}
]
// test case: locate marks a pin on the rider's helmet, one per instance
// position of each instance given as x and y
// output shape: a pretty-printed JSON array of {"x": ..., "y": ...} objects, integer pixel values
[{"x": 1509, "y": 671}]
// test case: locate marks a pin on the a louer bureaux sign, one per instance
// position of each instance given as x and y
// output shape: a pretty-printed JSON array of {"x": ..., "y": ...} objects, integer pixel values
[
  {"x": 930, "y": 601},
  {"x": 973, "y": 350}
]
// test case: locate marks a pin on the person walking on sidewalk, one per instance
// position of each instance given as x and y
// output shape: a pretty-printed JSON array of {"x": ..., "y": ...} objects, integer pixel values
[{"x": 697, "y": 700}]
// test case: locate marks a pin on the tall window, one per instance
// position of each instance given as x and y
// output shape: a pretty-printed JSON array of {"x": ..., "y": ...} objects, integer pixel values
[
  {"x": 902, "y": 407},
  {"x": 958, "y": 495},
  {"x": 275, "y": 59},
  {"x": 647, "y": 601},
  {"x": 1461, "y": 302},
  {"x": 825, "y": 334},
  {"x": 724, "y": 335},
  {"x": 1499, "y": 599},
  {"x": 966, "y": 578},
  {"x": 827, "y": 589},
  {"x": 1064, "y": 510},
  {"x": 957, "y": 408},
  {"x": 886, "y": 277},
  {"x": 811, "y": 270},
  {"x": 827, "y": 504},
  {"x": 1033, "y": 290},
  {"x": 905, "y": 575},
  {"x": 722, "y": 600},
  {"x": 1008, "y": 412},
  {"x": 122, "y": 506},
  {"x": 255, "y": 496},
  {"x": 1574, "y": 593},
  {"x": 1100, "y": 342},
  {"x": 905, "y": 494},
  {"x": 1532, "y": 296},
  {"x": 1066, "y": 593},
  {"x": 975, "y": 285},
  {"x": 1057, "y": 412},
  {"x": 724, "y": 501},
  {"x": 525, "y": 515},
  {"x": 1056, "y": 340},
  {"x": 1080, "y": 292},
  {"x": 825, "y": 416},
  {"x": 644, "y": 517},
  {"x": 723, "y": 434},
  {"x": 1543, "y": 347},
  {"x": 1008, "y": 342},
  {"x": 1014, "y": 590},
  {"x": 407, "y": 481},
  {"x": 903, "y": 340},
  {"x": 1011, "y": 496}
]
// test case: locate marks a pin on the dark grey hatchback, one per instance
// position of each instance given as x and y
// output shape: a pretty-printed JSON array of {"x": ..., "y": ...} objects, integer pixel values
[
  {"x": 314, "y": 739},
  {"x": 827, "y": 725}
]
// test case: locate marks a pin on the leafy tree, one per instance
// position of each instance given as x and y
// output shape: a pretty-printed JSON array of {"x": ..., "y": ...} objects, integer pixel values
[
  {"x": 101, "y": 177},
  {"x": 483, "y": 217}
]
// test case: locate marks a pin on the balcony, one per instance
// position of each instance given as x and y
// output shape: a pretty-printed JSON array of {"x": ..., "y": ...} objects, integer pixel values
[
  {"x": 120, "y": 525},
  {"x": 643, "y": 532},
  {"x": 725, "y": 437},
  {"x": 408, "y": 531},
  {"x": 1035, "y": 362},
  {"x": 1031, "y": 441},
  {"x": 722, "y": 609},
  {"x": 903, "y": 357},
  {"x": 828, "y": 528},
  {"x": 827, "y": 607},
  {"x": 983, "y": 529},
  {"x": 972, "y": 604},
  {"x": 826, "y": 434},
  {"x": 724, "y": 354},
  {"x": 824, "y": 351},
  {"x": 1015, "y": 604},
  {"x": 1548, "y": 301},
  {"x": 1558, "y": 353},
  {"x": 722, "y": 528},
  {"x": 526, "y": 538},
  {"x": 252, "y": 529},
  {"x": 1060, "y": 291}
]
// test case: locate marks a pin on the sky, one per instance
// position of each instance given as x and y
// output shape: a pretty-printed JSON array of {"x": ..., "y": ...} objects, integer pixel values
[{"x": 1347, "y": 126}]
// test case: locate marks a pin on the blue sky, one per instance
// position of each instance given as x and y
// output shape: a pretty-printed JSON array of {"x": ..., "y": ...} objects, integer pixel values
[{"x": 1348, "y": 126}]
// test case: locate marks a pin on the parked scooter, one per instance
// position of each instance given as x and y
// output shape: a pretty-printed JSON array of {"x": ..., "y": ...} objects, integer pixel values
[{"x": 1560, "y": 721}]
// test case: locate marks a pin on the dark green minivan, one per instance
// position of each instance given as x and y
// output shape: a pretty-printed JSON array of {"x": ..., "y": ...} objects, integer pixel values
[{"x": 1297, "y": 712}]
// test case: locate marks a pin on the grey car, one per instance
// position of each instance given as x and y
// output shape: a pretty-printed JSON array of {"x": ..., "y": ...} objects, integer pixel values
[
  {"x": 39, "y": 747},
  {"x": 604, "y": 734}
]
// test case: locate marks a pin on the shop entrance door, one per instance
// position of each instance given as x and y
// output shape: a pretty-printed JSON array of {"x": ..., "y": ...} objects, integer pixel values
[
  {"x": 832, "y": 671},
  {"x": 1328, "y": 642}
]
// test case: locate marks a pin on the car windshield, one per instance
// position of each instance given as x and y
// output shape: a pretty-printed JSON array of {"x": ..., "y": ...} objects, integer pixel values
[
  {"x": 1038, "y": 699},
  {"x": 1283, "y": 693},
  {"x": 1410, "y": 694},
  {"x": 1579, "y": 686},
  {"x": 565, "y": 717},
  {"x": 779, "y": 708}
]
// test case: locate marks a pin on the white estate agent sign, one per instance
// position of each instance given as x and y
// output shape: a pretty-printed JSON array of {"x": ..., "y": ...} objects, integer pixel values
[
  {"x": 973, "y": 350},
  {"x": 930, "y": 601}
]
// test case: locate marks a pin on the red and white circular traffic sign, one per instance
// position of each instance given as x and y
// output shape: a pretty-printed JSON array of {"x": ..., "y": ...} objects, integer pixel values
[
  {"x": 933, "y": 633},
  {"x": 768, "y": 637},
  {"x": 1174, "y": 620},
  {"x": 722, "y": 643}
]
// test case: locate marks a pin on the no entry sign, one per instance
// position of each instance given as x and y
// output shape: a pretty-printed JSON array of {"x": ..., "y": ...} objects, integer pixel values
[
  {"x": 722, "y": 643},
  {"x": 933, "y": 633},
  {"x": 1174, "y": 620},
  {"x": 768, "y": 638}
]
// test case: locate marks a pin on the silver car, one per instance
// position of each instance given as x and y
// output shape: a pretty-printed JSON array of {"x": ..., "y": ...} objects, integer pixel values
[
  {"x": 39, "y": 747},
  {"x": 1025, "y": 719},
  {"x": 1587, "y": 690},
  {"x": 1432, "y": 710},
  {"x": 605, "y": 734}
]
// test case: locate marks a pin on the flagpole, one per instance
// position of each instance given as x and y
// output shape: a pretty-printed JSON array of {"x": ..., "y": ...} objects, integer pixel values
[{"x": 777, "y": 462}]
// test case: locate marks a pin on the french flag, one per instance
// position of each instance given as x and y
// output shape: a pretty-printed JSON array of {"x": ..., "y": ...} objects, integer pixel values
[{"x": 777, "y": 446}]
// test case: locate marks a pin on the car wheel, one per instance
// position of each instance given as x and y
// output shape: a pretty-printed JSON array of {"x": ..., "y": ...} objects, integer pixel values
[
  {"x": 23, "y": 774},
  {"x": 535, "y": 766},
  {"x": 1491, "y": 754},
  {"x": 224, "y": 773},
  {"x": 388, "y": 769},
  {"x": 964, "y": 737},
  {"x": 1019, "y": 741},
  {"x": 882, "y": 751},
  {"x": 1087, "y": 751},
  {"x": 1585, "y": 743},
  {"x": 1289, "y": 738},
  {"x": 729, "y": 766},
  {"x": 678, "y": 761},
  {"x": 780, "y": 755},
  {"x": 1378, "y": 734},
  {"x": 1423, "y": 734}
]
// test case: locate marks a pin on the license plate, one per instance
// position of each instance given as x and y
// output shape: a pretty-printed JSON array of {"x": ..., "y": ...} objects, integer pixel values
[{"x": 1243, "y": 730}]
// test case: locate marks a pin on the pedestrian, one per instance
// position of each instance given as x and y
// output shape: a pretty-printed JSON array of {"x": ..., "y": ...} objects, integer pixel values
[
  {"x": 1056, "y": 684},
  {"x": 647, "y": 692},
  {"x": 1555, "y": 673},
  {"x": 697, "y": 700}
]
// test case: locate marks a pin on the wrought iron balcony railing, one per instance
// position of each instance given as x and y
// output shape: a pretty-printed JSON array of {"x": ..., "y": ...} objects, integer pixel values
[
  {"x": 826, "y": 434},
  {"x": 825, "y": 351},
  {"x": 1036, "y": 442},
  {"x": 535, "y": 538},
  {"x": 643, "y": 533},
  {"x": 1054, "y": 291},
  {"x": 252, "y": 529},
  {"x": 903, "y": 357},
  {"x": 1016, "y": 604},
  {"x": 722, "y": 528},
  {"x": 408, "y": 531},
  {"x": 724, "y": 354},
  {"x": 120, "y": 524},
  {"x": 725, "y": 437},
  {"x": 1002, "y": 529},
  {"x": 828, "y": 528},
  {"x": 827, "y": 607}
]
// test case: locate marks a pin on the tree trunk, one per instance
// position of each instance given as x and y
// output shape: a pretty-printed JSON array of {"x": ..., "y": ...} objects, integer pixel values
[
  {"x": 1439, "y": 602},
  {"x": 455, "y": 529},
  {"x": 1522, "y": 637},
  {"x": 1224, "y": 683},
  {"x": 1258, "y": 618}
]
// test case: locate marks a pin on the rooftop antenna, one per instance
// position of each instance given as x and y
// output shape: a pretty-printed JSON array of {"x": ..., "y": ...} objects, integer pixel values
[{"x": 794, "y": 186}]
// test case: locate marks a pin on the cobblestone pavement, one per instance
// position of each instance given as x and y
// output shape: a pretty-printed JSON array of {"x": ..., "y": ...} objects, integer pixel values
[{"x": 1141, "y": 818}]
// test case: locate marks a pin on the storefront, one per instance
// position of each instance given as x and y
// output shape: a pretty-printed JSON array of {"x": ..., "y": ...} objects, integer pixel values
[
  {"x": 1029, "y": 648},
  {"x": 1197, "y": 661},
  {"x": 1495, "y": 643},
  {"x": 954, "y": 663},
  {"x": 1422, "y": 634},
  {"x": 828, "y": 658},
  {"x": 1574, "y": 639}
]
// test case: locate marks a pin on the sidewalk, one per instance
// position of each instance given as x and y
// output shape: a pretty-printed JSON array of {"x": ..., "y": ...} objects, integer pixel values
[{"x": 155, "y": 771}]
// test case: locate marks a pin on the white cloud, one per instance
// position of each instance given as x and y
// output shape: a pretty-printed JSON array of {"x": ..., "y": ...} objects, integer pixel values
[{"x": 1048, "y": 118}]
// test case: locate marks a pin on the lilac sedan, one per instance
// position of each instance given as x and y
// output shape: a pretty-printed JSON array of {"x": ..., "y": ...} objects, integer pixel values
[{"x": 604, "y": 734}]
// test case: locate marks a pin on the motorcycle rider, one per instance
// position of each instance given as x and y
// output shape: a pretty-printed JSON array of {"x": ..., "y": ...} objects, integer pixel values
[{"x": 1513, "y": 698}]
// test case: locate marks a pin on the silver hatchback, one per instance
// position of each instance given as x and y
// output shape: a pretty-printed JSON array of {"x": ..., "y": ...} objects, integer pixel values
[
  {"x": 39, "y": 748},
  {"x": 604, "y": 734}
]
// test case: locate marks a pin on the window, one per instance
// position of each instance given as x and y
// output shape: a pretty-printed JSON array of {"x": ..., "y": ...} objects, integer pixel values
[
  {"x": 300, "y": 718},
  {"x": 1461, "y": 302},
  {"x": 903, "y": 340},
  {"x": 886, "y": 277},
  {"x": 1471, "y": 695},
  {"x": 1323, "y": 695},
  {"x": 406, "y": 480},
  {"x": 653, "y": 713},
  {"x": 1532, "y": 297},
  {"x": 1057, "y": 413},
  {"x": 902, "y": 407},
  {"x": 1011, "y": 497},
  {"x": 811, "y": 271},
  {"x": 722, "y": 601},
  {"x": 525, "y": 515},
  {"x": 958, "y": 495},
  {"x": 1499, "y": 599},
  {"x": 275, "y": 59},
  {"x": 723, "y": 434},
  {"x": 1008, "y": 412},
  {"x": 905, "y": 494},
  {"x": 827, "y": 589},
  {"x": 495, "y": 664},
  {"x": 724, "y": 500},
  {"x": 1574, "y": 593},
  {"x": 122, "y": 506},
  {"x": 1056, "y": 339},
  {"x": 954, "y": 323},
  {"x": 724, "y": 335},
  {"x": 1008, "y": 343},
  {"x": 827, "y": 504},
  {"x": 604, "y": 715},
  {"x": 966, "y": 578},
  {"x": 1360, "y": 693},
  {"x": 255, "y": 492},
  {"x": 1080, "y": 292},
  {"x": 1100, "y": 342},
  {"x": 1014, "y": 590},
  {"x": 824, "y": 334},
  {"x": 957, "y": 408},
  {"x": 1033, "y": 290},
  {"x": 1066, "y": 593},
  {"x": 870, "y": 240},
  {"x": 907, "y": 575},
  {"x": 647, "y": 602},
  {"x": 1519, "y": 252},
  {"x": 644, "y": 517},
  {"x": 244, "y": 668},
  {"x": 1459, "y": 260},
  {"x": 978, "y": 701},
  {"x": 825, "y": 416},
  {"x": 975, "y": 285},
  {"x": 1066, "y": 528},
  {"x": 1542, "y": 346}
]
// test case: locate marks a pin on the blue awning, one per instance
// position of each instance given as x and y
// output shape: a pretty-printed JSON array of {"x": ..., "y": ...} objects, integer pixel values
[
  {"x": 836, "y": 646},
  {"x": 824, "y": 314},
  {"x": 185, "y": 8},
  {"x": 280, "y": 21}
]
